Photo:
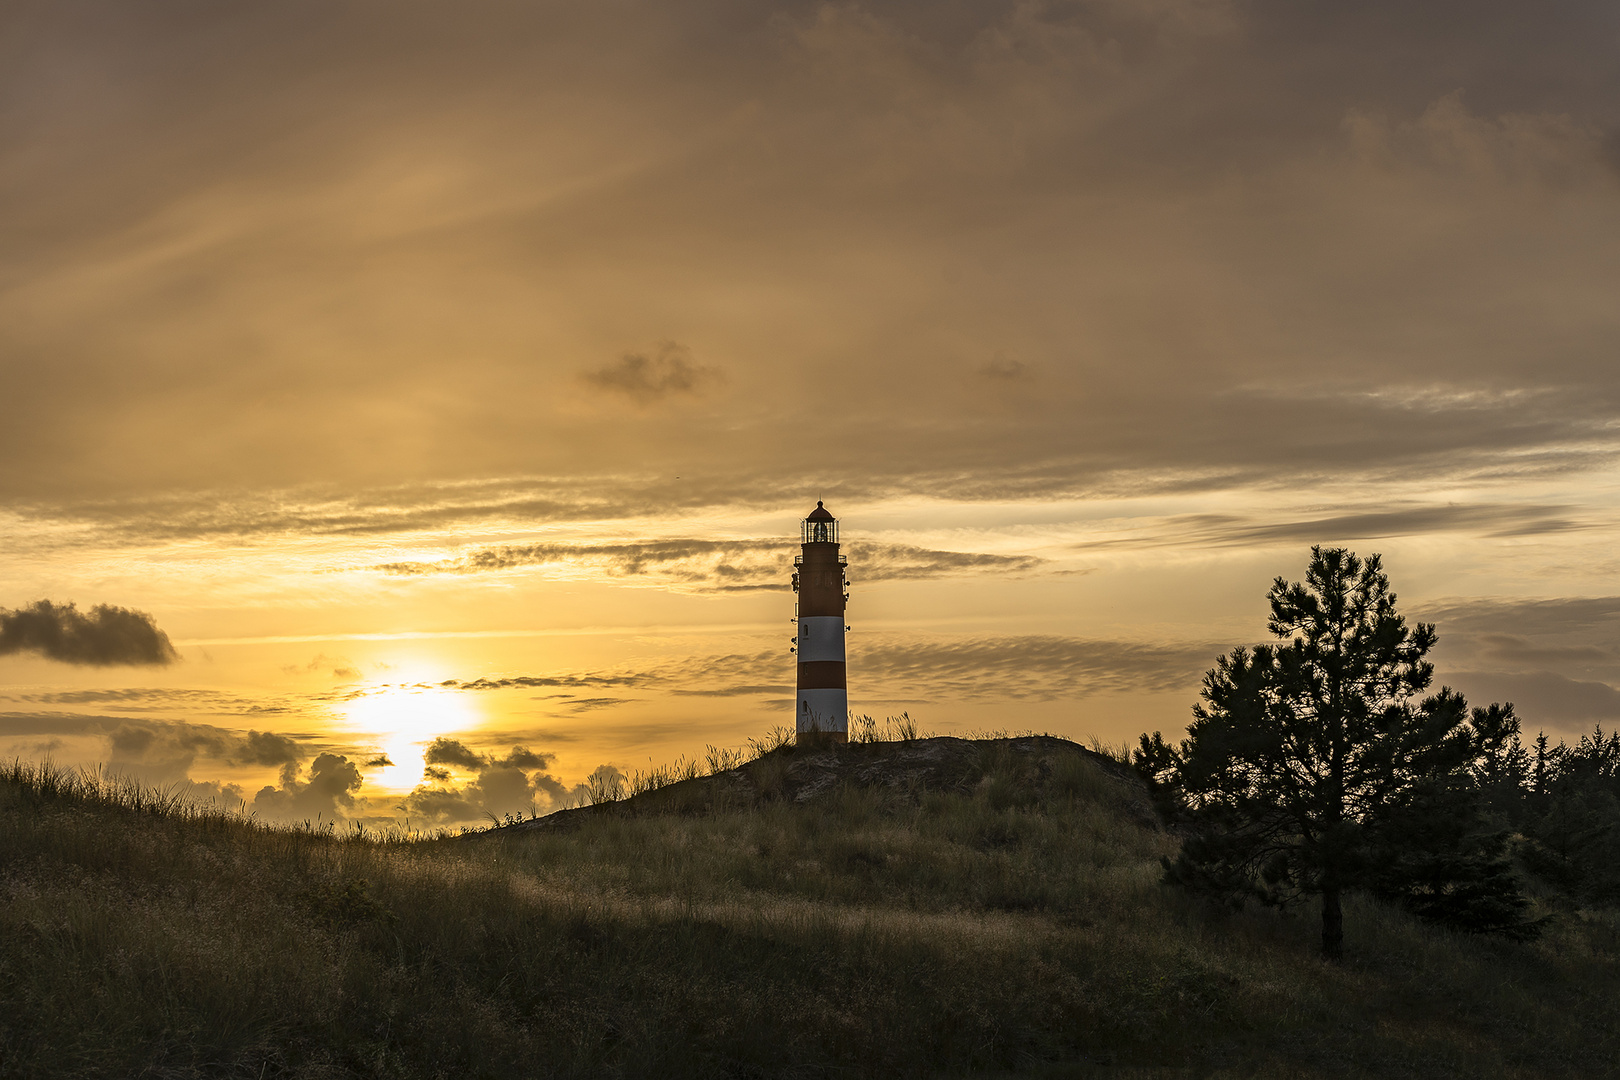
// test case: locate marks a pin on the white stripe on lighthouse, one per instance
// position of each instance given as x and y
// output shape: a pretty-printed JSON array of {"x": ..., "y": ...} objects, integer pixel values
[
  {"x": 823, "y": 710},
  {"x": 821, "y": 637}
]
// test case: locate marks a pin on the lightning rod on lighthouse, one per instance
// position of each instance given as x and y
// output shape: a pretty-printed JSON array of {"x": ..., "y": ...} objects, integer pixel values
[{"x": 822, "y": 703}]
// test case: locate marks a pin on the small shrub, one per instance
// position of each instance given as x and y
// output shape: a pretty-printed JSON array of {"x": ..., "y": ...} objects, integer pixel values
[
  {"x": 720, "y": 761},
  {"x": 778, "y": 738},
  {"x": 605, "y": 785}
]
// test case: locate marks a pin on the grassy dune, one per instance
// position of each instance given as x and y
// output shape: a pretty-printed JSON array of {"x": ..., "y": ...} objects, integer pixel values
[{"x": 1018, "y": 926}]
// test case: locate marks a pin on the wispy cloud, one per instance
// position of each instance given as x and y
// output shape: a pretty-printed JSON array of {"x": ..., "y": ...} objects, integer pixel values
[
  {"x": 1025, "y": 667},
  {"x": 721, "y": 565},
  {"x": 1495, "y": 520},
  {"x": 167, "y": 699}
]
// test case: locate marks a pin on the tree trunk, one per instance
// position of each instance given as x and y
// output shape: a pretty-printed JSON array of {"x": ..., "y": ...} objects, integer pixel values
[{"x": 1332, "y": 923}]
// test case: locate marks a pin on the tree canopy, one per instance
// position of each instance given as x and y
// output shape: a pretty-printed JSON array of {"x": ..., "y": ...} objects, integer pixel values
[{"x": 1314, "y": 766}]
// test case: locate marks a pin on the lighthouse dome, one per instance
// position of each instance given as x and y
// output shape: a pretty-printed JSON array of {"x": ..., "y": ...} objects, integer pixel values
[{"x": 820, "y": 513}]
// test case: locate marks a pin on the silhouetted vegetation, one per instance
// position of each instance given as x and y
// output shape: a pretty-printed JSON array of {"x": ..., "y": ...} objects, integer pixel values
[
  {"x": 1012, "y": 921},
  {"x": 1563, "y": 805},
  {"x": 1311, "y": 767}
]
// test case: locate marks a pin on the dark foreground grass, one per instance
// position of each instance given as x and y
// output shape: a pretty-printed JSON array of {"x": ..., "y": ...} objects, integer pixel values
[{"x": 867, "y": 935}]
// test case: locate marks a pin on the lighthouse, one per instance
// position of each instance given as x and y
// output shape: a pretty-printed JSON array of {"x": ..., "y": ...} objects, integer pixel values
[{"x": 822, "y": 703}]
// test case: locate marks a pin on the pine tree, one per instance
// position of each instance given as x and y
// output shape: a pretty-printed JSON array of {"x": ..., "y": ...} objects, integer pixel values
[{"x": 1311, "y": 767}]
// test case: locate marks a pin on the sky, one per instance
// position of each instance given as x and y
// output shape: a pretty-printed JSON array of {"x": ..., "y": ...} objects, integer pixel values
[{"x": 418, "y": 401}]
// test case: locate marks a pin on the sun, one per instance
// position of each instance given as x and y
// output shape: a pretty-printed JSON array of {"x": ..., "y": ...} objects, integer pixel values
[{"x": 404, "y": 719}]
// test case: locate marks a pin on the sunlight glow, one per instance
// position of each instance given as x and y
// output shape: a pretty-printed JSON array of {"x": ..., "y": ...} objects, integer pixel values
[{"x": 403, "y": 720}]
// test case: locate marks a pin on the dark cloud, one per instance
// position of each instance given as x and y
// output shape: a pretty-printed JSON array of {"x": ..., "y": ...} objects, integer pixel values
[
  {"x": 268, "y": 748},
  {"x": 107, "y": 635},
  {"x": 521, "y": 757},
  {"x": 645, "y": 378},
  {"x": 512, "y": 782},
  {"x": 447, "y": 751},
  {"x": 327, "y": 793},
  {"x": 381, "y": 761}
]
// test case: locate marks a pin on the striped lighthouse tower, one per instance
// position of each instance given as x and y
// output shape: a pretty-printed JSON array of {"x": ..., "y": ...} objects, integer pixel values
[{"x": 818, "y": 577}]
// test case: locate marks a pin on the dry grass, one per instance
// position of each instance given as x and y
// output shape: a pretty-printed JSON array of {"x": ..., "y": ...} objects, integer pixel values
[{"x": 999, "y": 933}]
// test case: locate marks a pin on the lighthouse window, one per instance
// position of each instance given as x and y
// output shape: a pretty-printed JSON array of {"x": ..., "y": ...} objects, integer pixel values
[{"x": 820, "y": 532}]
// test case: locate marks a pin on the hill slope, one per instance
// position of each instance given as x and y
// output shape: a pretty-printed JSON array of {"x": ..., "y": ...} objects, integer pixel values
[
  {"x": 999, "y": 911},
  {"x": 1026, "y": 770}
]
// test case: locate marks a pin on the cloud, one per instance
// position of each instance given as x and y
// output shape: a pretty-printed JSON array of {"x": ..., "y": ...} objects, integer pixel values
[
  {"x": 717, "y": 565},
  {"x": 1574, "y": 636},
  {"x": 521, "y": 757},
  {"x": 1495, "y": 520},
  {"x": 159, "y": 752},
  {"x": 325, "y": 794},
  {"x": 1034, "y": 667},
  {"x": 106, "y": 636},
  {"x": 539, "y": 682},
  {"x": 268, "y": 748},
  {"x": 1194, "y": 220},
  {"x": 512, "y": 782},
  {"x": 1536, "y": 617},
  {"x": 1001, "y": 368},
  {"x": 340, "y": 667},
  {"x": 645, "y": 378},
  {"x": 1516, "y": 653},
  {"x": 1543, "y": 698},
  {"x": 447, "y": 751},
  {"x": 1023, "y": 667},
  {"x": 579, "y": 705}
]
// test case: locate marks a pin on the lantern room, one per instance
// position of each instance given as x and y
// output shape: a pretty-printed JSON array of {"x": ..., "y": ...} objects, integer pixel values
[{"x": 820, "y": 527}]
